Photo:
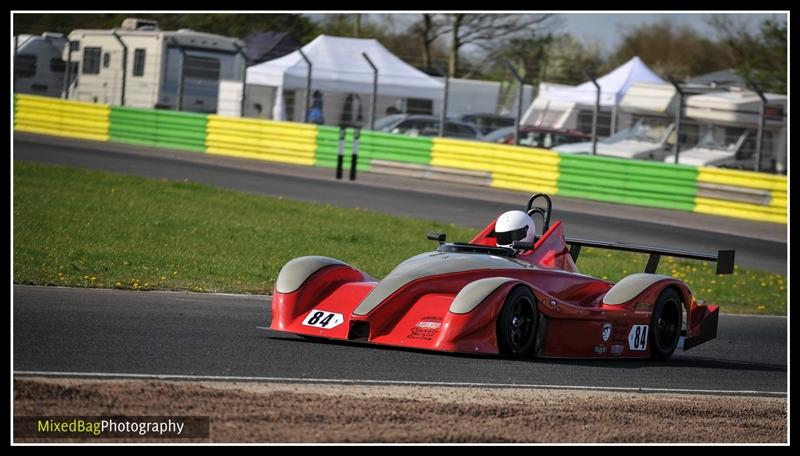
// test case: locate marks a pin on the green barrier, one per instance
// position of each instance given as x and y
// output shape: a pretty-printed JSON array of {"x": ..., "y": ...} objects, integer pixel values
[
  {"x": 175, "y": 130},
  {"x": 181, "y": 130},
  {"x": 394, "y": 147},
  {"x": 626, "y": 181},
  {"x": 133, "y": 126}
]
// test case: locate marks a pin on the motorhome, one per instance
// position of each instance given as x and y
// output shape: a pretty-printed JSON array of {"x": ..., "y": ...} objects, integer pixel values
[
  {"x": 650, "y": 107},
  {"x": 139, "y": 65},
  {"x": 728, "y": 127},
  {"x": 565, "y": 114},
  {"x": 38, "y": 65}
]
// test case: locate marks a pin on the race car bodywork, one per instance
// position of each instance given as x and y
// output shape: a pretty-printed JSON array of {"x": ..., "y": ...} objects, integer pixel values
[{"x": 482, "y": 299}]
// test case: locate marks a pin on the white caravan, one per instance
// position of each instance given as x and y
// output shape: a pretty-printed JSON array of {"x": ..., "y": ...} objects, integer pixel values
[
  {"x": 156, "y": 60},
  {"x": 38, "y": 66},
  {"x": 651, "y": 108},
  {"x": 728, "y": 125}
]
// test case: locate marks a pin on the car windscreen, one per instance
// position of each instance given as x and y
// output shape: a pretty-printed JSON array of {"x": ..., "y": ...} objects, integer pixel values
[
  {"x": 644, "y": 130},
  {"x": 386, "y": 122},
  {"x": 721, "y": 138},
  {"x": 499, "y": 135}
]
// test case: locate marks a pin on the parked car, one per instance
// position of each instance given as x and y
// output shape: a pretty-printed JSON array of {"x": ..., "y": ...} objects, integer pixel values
[
  {"x": 647, "y": 139},
  {"x": 542, "y": 137},
  {"x": 422, "y": 125},
  {"x": 487, "y": 122}
]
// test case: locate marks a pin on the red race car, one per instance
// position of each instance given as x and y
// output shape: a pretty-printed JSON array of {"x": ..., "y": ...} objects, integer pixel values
[{"x": 526, "y": 299}]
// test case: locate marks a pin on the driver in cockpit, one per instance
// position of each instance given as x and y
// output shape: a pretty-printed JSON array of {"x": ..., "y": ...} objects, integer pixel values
[{"x": 514, "y": 226}]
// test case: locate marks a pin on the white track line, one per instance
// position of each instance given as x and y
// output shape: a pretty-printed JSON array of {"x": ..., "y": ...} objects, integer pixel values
[{"x": 393, "y": 383}]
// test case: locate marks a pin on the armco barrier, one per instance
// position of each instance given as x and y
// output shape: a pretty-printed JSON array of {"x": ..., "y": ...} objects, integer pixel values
[
  {"x": 400, "y": 148},
  {"x": 626, "y": 181},
  {"x": 511, "y": 167},
  {"x": 52, "y": 116},
  {"x": 284, "y": 142},
  {"x": 460, "y": 176},
  {"x": 741, "y": 194},
  {"x": 169, "y": 129}
]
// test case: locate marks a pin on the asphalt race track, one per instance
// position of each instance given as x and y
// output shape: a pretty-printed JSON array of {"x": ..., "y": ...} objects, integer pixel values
[
  {"x": 751, "y": 251},
  {"x": 96, "y": 331}
]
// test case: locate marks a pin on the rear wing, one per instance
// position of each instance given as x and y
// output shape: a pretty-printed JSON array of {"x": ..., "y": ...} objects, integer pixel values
[{"x": 723, "y": 258}]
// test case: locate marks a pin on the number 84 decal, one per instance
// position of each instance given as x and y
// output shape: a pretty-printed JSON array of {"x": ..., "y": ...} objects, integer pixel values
[
  {"x": 637, "y": 338},
  {"x": 322, "y": 319}
]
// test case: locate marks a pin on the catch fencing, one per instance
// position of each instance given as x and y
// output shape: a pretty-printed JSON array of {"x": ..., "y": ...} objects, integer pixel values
[{"x": 732, "y": 193}]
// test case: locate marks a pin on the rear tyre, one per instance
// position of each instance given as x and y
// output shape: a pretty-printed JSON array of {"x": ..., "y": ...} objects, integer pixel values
[
  {"x": 517, "y": 323},
  {"x": 665, "y": 325}
]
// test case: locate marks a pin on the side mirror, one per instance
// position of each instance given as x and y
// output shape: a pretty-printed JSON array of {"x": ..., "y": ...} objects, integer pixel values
[
  {"x": 434, "y": 236},
  {"x": 519, "y": 245}
]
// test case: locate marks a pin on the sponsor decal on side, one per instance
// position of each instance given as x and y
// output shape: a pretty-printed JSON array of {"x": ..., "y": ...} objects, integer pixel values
[
  {"x": 606, "y": 331},
  {"x": 600, "y": 349},
  {"x": 617, "y": 350},
  {"x": 426, "y": 328},
  {"x": 428, "y": 324}
]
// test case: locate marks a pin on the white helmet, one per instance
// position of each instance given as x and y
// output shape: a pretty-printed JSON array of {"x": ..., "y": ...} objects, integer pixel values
[{"x": 514, "y": 226}]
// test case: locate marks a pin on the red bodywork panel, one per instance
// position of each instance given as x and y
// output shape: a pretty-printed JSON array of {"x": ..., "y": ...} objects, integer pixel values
[{"x": 573, "y": 319}]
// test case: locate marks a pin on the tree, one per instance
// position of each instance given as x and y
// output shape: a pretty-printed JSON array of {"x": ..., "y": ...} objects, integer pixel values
[
  {"x": 429, "y": 29},
  {"x": 485, "y": 31},
  {"x": 668, "y": 48},
  {"x": 760, "y": 57},
  {"x": 566, "y": 59}
]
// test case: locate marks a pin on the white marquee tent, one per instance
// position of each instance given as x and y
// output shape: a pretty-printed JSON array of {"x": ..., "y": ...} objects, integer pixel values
[
  {"x": 339, "y": 66},
  {"x": 613, "y": 87}
]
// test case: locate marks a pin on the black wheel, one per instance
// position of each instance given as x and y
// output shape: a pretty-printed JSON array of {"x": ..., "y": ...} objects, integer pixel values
[
  {"x": 665, "y": 325},
  {"x": 517, "y": 323}
]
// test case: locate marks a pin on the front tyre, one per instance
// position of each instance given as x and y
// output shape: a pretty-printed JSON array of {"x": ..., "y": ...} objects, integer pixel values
[
  {"x": 517, "y": 323},
  {"x": 665, "y": 325}
]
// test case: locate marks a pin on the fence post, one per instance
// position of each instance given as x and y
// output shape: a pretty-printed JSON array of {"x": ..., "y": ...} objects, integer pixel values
[
  {"x": 354, "y": 156},
  {"x": 595, "y": 111},
  {"x": 518, "y": 118},
  {"x": 374, "y": 92},
  {"x": 308, "y": 85},
  {"x": 340, "y": 155},
  {"x": 246, "y": 61},
  {"x": 678, "y": 113},
  {"x": 124, "y": 65},
  {"x": 443, "y": 115},
  {"x": 760, "y": 131},
  {"x": 179, "y": 104},
  {"x": 16, "y": 43},
  {"x": 68, "y": 76}
]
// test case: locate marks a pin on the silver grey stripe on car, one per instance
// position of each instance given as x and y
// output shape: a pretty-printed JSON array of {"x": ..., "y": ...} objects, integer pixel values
[
  {"x": 297, "y": 271},
  {"x": 475, "y": 293},
  {"x": 428, "y": 264}
]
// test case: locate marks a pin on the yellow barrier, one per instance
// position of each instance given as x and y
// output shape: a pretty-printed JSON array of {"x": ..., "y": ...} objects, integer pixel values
[
  {"x": 511, "y": 167},
  {"x": 284, "y": 142},
  {"x": 53, "y": 116},
  {"x": 775, "y": 185},
  {"x": 740, "y": 210}
]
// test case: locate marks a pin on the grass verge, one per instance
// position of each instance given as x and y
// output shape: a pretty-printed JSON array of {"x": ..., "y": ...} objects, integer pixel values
[{"x": 84, "y": 228}]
